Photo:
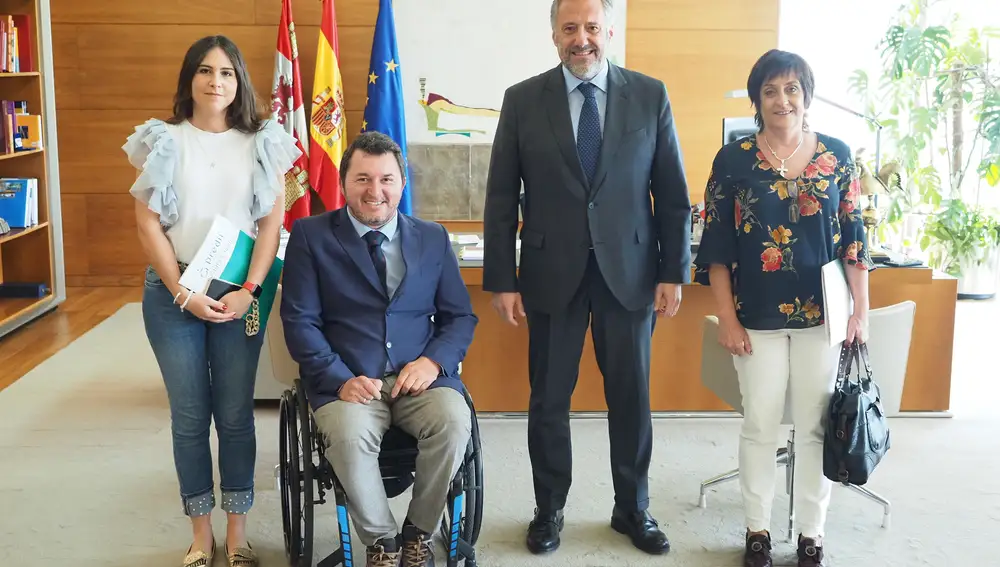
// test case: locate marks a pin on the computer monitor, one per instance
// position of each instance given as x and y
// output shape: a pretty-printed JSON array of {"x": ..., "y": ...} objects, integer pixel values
[{"x": 735, "y": 128}]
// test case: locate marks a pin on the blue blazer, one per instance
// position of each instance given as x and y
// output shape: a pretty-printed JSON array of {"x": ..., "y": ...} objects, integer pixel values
[{"x": 338, "y": 321}]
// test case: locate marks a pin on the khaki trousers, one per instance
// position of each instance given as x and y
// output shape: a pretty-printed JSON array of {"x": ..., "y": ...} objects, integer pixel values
[{"x": 439, "y": 419}]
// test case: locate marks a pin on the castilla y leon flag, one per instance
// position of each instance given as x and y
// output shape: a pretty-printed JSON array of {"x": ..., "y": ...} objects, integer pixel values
[
  {"x": 288, "y": 110},
  {"x": 328, "y": 125}
]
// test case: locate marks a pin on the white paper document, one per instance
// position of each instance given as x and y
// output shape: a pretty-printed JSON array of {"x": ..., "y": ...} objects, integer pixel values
[
  {"x": 472, "y": 253},
  {"x": 464, "y": 238},
  {"x": 837, "y": 301}
]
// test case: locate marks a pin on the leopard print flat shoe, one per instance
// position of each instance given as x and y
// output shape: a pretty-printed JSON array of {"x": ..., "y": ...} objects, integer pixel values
[
  {"x": 199, "y": 558},
  {"x": 242, "y": 557}
]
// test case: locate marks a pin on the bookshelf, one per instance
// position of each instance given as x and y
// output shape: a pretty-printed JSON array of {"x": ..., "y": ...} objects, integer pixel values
[{"x": 31, "y": 252}]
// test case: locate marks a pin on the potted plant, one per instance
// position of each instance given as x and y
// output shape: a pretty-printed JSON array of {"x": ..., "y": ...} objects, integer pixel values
[
  {"x": 938, "y": 99},
  {"x": 964, "y": 242}
]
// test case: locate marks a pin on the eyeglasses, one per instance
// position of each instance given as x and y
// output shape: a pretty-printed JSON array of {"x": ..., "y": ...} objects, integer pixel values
[{"x": 792, "y": 187}]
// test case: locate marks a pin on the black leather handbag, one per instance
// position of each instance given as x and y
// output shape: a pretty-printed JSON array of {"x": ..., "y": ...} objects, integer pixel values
[{"x": 856, "y": 428}]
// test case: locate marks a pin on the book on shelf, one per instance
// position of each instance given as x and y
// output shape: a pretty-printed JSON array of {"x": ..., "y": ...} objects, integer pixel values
[
  {"x": 221, "y": 265},
  {"x": 19, "y": 201},
  {"x": 15, "y": 44},
  {"x": 21, "y": 131}
]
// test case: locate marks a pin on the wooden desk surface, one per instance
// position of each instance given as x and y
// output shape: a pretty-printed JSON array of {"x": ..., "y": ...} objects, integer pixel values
[{"x": 496, "y": 367}]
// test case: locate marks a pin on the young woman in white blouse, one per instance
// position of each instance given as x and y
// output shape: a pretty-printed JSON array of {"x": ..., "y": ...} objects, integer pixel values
[{"x": 214, "y": 156}]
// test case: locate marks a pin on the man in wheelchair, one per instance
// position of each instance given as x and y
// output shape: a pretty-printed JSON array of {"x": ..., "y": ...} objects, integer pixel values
[{"x": 377, "y": 316}]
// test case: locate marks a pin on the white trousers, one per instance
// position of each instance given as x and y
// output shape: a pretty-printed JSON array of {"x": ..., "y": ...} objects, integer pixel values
[{"x": 799, "y": 359}]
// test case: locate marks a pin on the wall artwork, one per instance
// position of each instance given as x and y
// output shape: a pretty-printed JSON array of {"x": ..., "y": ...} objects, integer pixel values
[{"x": 457, "y": 58}]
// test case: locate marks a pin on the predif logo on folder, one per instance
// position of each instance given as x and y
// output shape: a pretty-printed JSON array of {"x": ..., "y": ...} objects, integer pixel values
[{"x": 222, "y": 263}]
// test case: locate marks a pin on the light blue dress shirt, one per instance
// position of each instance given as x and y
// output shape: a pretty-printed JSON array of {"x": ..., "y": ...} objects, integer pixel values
[
  {"x": 395, "y": 267},
  {"x": 576, "y": 97}
]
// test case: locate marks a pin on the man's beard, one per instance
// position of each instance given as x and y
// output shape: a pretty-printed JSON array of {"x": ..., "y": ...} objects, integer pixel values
[
  {"x": 373, "y": 221},
  {"x": 584, "y": 71}
]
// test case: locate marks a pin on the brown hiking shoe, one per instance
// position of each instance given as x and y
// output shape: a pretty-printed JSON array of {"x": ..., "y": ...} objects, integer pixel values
[
  {"x": 758, "y": 551},
  {"x": 416, "y": 550},
  {"x": 810, "y": 554},
  {"x": 384, "y": 553}
]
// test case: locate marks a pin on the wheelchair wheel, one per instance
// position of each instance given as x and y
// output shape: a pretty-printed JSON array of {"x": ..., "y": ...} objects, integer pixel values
[
  {"x": 471, "y": 509},
  {"x": 296, "y": 471},
  {"x": 476, "y": 491}
]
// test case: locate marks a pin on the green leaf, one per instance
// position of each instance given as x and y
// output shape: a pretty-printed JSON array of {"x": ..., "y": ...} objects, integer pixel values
[
  {"x": 926, "y": 50},
  {"x": 992, "y": 174},
  {"x": 858, "y": 83}
]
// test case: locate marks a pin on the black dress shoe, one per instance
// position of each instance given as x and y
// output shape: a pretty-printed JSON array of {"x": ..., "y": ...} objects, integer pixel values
[
  {"x": 810, "y": 554},
  {"x": 543, "y": 531},
  {"x": 642, "y": 529},
  {"x": 758, "y": 551}
]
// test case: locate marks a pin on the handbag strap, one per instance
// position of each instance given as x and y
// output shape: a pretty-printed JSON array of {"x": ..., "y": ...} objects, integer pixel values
[
  {"x": 862, "y": 350},
  {"x": 849, "y": 354}
]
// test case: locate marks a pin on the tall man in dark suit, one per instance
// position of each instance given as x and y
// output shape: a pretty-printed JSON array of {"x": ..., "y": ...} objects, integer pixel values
[
  {"x": 360, "y": 287},
  {"x": 591, "y": 142}
]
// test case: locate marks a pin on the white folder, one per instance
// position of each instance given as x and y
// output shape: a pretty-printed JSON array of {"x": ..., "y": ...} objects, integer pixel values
[{"x": 837, "y": 301}]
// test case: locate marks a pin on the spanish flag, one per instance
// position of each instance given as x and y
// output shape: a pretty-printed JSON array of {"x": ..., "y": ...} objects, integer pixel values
[{"x": 328, "y": 123}]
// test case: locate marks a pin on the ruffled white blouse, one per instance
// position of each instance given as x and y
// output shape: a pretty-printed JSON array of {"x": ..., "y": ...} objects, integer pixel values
[{"x": 188, "y": 176}]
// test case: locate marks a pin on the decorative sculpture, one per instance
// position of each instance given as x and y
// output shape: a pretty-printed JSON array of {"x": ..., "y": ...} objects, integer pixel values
[{"x": 887, "y": 182}]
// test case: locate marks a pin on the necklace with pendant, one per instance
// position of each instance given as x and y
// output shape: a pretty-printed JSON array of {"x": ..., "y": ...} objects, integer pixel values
[
  {"x": 204, "y": 152},
  {"x": 783, "y": 170}
]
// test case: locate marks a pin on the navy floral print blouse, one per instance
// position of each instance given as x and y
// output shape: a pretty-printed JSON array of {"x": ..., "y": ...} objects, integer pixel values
[{"x": 776, "y": 233}]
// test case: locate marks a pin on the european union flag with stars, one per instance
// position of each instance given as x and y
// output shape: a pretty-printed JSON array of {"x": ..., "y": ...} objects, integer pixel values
[{"x": 384, "y": 107}]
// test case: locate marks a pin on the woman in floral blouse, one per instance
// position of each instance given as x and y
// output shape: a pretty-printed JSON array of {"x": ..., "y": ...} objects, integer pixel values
[{"x": 779, "y": 205}]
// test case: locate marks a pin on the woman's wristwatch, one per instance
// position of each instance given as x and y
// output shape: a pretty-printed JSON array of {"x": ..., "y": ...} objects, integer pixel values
[{"x": 254, "y": 289}]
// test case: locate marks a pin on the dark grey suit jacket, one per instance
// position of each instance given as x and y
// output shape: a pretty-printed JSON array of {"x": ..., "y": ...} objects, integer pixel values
[{"x": 637, "y": 242}]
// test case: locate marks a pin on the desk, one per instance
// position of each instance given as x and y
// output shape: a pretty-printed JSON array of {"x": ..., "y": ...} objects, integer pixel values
[{"x": 496, "y": 366}]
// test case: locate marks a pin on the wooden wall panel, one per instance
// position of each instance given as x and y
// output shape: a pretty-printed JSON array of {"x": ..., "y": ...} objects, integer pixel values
[
  {"x": 116, "y": 62},
  {"x": 699, "y": 67},
  {"x": 702, "y": 15},
  {"x": 145, "y": 76},
  {"x": 86, "y": 134},
  {"x": 349, "y": 12},
  {"x": 66, "y": 66},
  {"x": 76, "y": 245},
  {"x": 126, "y": 12}
]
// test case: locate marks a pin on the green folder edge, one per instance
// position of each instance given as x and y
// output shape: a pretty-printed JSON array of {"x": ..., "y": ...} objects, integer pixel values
[{"x": 239, "y": 265}]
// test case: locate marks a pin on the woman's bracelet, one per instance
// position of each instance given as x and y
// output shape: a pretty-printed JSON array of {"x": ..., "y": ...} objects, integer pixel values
[
  {"x": 186, "y": 299},
  {"x": 178, "y": 295}
]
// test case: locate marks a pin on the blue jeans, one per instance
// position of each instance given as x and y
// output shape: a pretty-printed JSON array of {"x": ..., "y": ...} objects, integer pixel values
[{"x": 209, "y": 370}]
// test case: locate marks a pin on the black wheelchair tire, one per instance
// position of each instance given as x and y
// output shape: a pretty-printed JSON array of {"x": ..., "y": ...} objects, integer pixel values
[
  {"x": 296, "y": 474},
  {"x": 473, "y": 490},
  {"x": 309, "y": 467},
  {"x": 478, "y": 489},
  {"x": 288, "y": 469}
]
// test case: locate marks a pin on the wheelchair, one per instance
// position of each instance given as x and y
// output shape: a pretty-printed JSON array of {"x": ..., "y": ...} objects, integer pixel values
[{"x": 306, "y": 477}]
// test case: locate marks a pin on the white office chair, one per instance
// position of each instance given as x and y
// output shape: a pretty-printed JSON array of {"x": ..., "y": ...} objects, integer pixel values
[
  {"x": 283, "y": 368},
  {"x": 276, "y": 371},
  {"x": 889, "y": 332}
]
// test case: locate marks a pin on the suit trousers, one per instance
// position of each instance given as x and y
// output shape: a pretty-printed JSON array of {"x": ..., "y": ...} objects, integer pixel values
[
  {"x": 622, "y": 348},
  {"x": 802, "y": 360},
  {"x": 441, "y": 422}
]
